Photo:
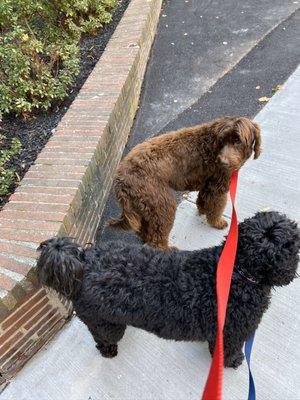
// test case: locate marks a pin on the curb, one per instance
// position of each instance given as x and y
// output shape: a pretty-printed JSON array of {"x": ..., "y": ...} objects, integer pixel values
[{"x": 65, "y": 191}]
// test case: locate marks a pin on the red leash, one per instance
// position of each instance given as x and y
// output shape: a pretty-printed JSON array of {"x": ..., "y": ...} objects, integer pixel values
[{"x": 213, "y": 387}]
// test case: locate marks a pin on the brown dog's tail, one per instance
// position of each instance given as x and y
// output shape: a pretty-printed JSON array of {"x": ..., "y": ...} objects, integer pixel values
[
  {"x": 128, "y": 220},
  {"x": 119, "y": 223}
]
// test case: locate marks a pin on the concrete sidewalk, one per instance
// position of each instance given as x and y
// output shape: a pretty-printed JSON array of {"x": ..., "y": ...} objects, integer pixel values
[{"x": 147, "y": 368}]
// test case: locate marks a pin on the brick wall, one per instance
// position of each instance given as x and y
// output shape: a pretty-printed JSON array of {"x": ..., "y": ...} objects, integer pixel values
[{"x": 65, "y": 191}]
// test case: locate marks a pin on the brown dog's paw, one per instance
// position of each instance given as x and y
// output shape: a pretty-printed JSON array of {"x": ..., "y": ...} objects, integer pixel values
[
  {"x": 219, "y": 224},
  {"x": 201, "y": 210}
]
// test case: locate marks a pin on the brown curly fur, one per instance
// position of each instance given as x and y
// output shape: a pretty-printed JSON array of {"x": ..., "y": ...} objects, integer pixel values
[{"x": 199, "y": 158}]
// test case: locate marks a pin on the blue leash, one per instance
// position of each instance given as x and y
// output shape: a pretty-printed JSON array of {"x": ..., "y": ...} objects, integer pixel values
[{"x": 248, "y": 349}]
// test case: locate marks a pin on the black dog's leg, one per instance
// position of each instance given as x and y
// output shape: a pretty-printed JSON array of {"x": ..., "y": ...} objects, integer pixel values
[
  {"x": 233, "y": 351},
  {"x": 233, "y": 355},
  {"x": 107, "y": 335}
]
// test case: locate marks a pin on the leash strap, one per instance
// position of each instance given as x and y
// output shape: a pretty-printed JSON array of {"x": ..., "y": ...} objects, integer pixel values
[
  {"x": 248, "y": 349},
  {"x": 213, "y": 387}
]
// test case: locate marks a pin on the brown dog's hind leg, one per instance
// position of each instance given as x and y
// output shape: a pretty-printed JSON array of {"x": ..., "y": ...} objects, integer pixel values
[
  {"x": 200, "y": 203},
  {"x": 159, "y": 219}
]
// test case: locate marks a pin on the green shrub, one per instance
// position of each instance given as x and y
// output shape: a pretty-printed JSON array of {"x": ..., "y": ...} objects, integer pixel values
[
  {"x": 39, "y": 54},
  {"x": 7, "y": 175}
]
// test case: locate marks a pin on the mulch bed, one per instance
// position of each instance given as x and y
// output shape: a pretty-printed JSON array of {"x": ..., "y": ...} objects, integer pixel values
[{"x": 34, "y": 133}]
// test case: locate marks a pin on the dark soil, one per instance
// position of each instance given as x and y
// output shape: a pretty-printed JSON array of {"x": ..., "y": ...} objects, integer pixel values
[{"x": 35, "y": 133}]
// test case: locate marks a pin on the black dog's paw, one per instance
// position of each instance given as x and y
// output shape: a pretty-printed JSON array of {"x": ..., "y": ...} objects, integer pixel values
[
  {"x": 235, "y": 362},
  {"x": 108, "y": 350}
]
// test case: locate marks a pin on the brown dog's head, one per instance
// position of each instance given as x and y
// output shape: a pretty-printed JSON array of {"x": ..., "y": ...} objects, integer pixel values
[{"x": 237, "y": 138}]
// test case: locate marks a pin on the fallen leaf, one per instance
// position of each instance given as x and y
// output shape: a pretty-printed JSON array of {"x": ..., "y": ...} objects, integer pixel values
[
  {"x": 24, "y": 37},
  {"x": 276, "y": 88},
  {"x": 265, "y": 209},
  {"x": 257, "y": 87},
  {"x": 263, "y": 99}
]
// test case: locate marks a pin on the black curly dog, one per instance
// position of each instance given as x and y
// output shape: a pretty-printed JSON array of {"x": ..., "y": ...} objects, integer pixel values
[{"x": 173, "y": 294}]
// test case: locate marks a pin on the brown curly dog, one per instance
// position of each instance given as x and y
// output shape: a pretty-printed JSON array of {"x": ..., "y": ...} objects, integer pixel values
[{"x": 199, "y": 158}]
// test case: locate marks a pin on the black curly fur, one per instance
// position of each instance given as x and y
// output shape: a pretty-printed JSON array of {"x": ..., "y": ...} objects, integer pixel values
[{"x": 173, "y": 294}]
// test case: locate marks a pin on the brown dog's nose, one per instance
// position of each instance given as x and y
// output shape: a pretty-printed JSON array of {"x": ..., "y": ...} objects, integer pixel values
[{"x": 224, "y": 161}]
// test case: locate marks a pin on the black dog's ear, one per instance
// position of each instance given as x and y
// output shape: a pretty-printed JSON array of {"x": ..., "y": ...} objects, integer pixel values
[{"x": 268, "y": 248}]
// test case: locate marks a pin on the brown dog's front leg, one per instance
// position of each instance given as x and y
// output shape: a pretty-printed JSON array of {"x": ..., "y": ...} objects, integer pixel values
[{"x": 213, "y": 206}]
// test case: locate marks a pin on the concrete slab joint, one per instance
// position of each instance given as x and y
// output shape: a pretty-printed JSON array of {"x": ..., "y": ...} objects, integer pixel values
[{"x": 65, "y": 191}]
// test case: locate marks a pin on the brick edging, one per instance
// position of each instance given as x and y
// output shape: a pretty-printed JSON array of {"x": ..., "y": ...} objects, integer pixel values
[{"x": 65, "y": 191}]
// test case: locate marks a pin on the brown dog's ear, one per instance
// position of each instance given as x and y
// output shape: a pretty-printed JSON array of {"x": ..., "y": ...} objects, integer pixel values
[
  {"x": 223, "y": 127},
  {"x": 257, "y": 141}
]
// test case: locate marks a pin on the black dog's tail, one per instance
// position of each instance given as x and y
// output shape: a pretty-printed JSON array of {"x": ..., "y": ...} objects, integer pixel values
[{"x": 59, "y": 266}]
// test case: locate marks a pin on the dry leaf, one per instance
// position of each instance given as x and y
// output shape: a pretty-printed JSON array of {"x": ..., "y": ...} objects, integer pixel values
[
  {"x": 263, "y": 99},
  {"x": 265, "y": 209},
  {"x": 276, "y": 88}
]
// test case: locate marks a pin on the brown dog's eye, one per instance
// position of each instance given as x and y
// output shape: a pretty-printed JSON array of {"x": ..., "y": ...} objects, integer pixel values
[{"x": 236, "y": 139}]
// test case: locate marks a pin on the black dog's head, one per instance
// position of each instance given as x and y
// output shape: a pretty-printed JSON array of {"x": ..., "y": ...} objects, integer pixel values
[
  {"x": 268, "y": 248},
  {"x": 59, "y": 266}
]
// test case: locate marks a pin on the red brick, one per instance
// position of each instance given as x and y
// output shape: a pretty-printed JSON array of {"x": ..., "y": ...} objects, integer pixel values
[
  {"x": 16, "y": 342},
  {"x": 41, "y": 198},
  {"x": 29, "y": 225},
  {"x": 96, "y": 123},
  {"x": 27, "y": 346},
  {"x": 52, "y": 156},
  {"x": 25, "y": 352},
  {"x": 49, "y": 324},
  {"x": 33, "y": 215},
  {"x": 26, "y": 236},
  {"x": 74, "y": 169},
  {"x": 63, "y": 161},
  {"x": 13, "y": 265},
  {"x": 18, "y": 358},
  {"x": 10, "y": 344},
  {"x": 75, "y": 139},
  {"x": 47, "y": 207},
  {"x": 59, "y": 174},
  {"x": 46, "y": 190},
  {"x": 23, "y": 309},
  {"x": 37, "y": 317},
  {"x": 61, "y": 183},
  {"x": 19, "y": 250},
  {"x": 6, "y": 282},
  {"x": 65, "y": 148},
  {"x": 84, "y": 121},
  {"x": 27, "y": 319},
  {"x": 67, "y": 133}
]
